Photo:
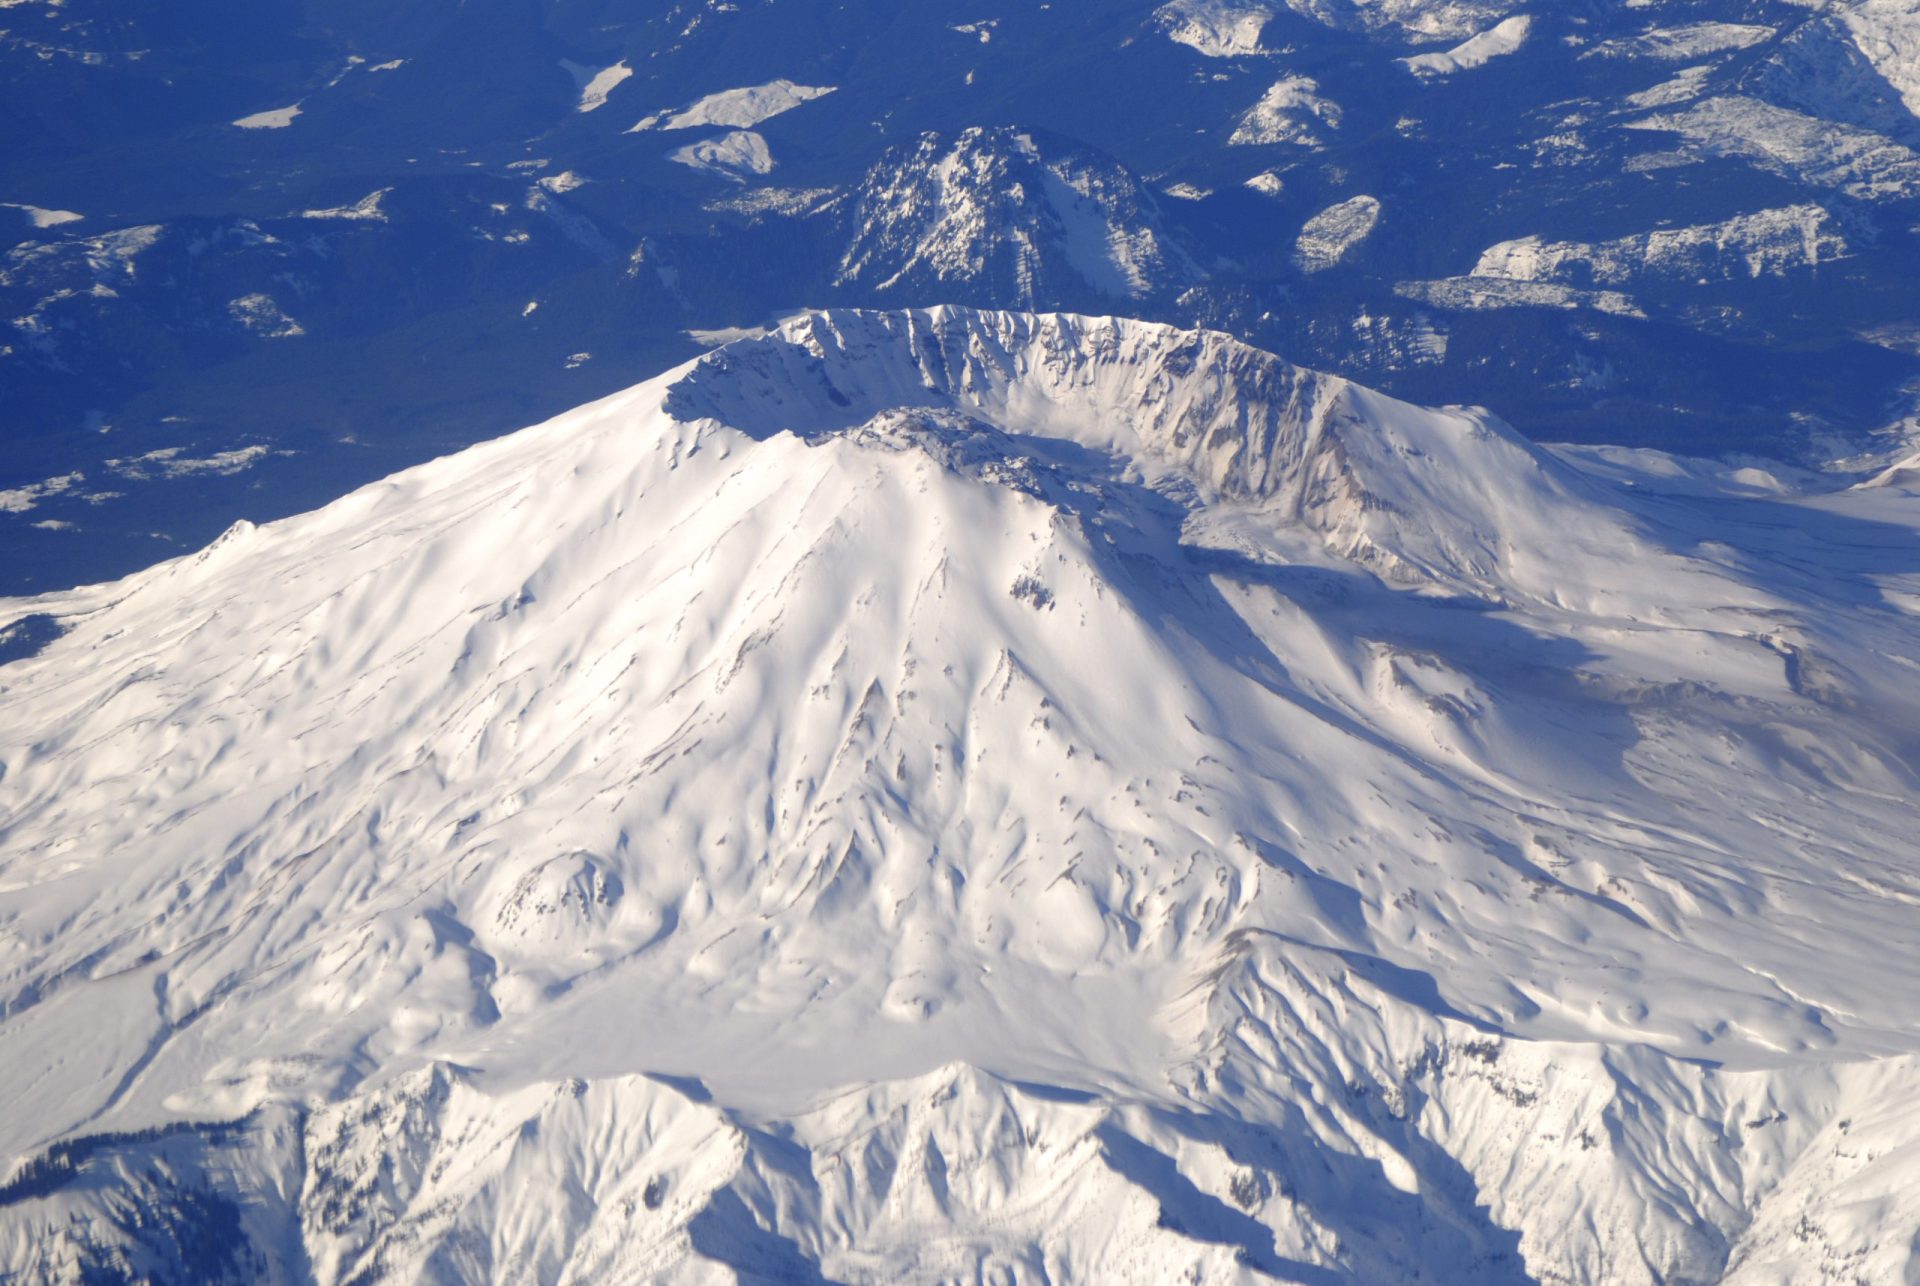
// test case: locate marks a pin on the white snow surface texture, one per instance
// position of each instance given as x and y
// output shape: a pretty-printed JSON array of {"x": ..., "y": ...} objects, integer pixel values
[{"x": 952, "y": 796}]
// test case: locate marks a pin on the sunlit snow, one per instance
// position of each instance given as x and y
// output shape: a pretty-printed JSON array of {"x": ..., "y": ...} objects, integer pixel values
[
  {"x": 1495, "y": 42},
  {"x": 737, "y": 108},
  {"x": 736, "y": 155},
  {"x": 596, "y": 84},
  {"x": 274, "y": 118},
  {"x": 40, "y": 217},
  {"x": 937, "y": 793}
]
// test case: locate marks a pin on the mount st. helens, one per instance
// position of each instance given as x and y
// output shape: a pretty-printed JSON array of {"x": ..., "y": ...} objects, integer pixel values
[{"x": 948, "y": 795}]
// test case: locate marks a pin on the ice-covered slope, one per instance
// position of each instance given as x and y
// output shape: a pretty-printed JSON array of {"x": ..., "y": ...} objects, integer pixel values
[{"x": 938, "y": 795}]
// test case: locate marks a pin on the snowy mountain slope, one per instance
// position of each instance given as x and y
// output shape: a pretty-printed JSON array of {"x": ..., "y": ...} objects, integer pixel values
[
  {"x": 1334, "y": 233},
  {"x": 1495, "y": 42},
  {"x": 1418, "y": 19},
  {"x": 1291, "y": 111},
  {"x": 1215, "y": 28},
  {"x": 1850, "y": 62},
  {"x": 1887, "y": 33},
  {"x": 941, "y": 794},
  {"x": 1818, "y": 152},
  {"x": 736, "y": 108},
  {"x": 737, "y": 155}
]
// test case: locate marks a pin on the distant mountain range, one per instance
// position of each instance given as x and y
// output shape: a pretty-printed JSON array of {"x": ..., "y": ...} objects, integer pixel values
[{"x": 249, "y": 261}]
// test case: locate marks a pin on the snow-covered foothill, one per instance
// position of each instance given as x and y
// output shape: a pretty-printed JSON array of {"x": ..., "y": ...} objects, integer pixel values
[
  {"x": 1472, "y": 293},
  {"x": 272, "y": 118},
  {"x": 993, "y": 212},
  {"x": 1807, "y": 149},
  {"x": 595, "y": 84},
  {"x": 1215, "y": 28},
  {"x": 1409, "y": 19},
  {"x": 174, "y": 462},
  {"x": 366, "y": 210},
  {"x": 1683, "y": 43},
  {"x": 1764, "y": 243},
  {"x": 1495, "y": 42},
  {"x": 737, "y": 108},
  {"x": 259, "y": 313},
  {"x": 1887, "y": 33},
  {"x": 1331, "y": 235},
  {"x": 737, "y": 155},
  {"x": 1292, "y": 110},
  {"x": 41, "y": 217}
]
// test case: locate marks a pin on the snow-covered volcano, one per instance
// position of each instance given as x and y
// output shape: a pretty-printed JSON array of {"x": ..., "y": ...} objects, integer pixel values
[{"x": 947, "y": 795}]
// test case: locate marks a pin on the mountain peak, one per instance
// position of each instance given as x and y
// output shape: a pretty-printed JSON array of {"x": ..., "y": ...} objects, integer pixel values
[{"x": 1008, "y": 215}]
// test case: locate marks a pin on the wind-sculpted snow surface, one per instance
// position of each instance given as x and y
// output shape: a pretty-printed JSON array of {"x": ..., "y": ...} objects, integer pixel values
[{"x": 972, "y": 796}]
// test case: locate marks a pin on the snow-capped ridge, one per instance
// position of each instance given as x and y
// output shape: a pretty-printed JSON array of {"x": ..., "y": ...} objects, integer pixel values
[{"x": 1414, "y": 493}]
